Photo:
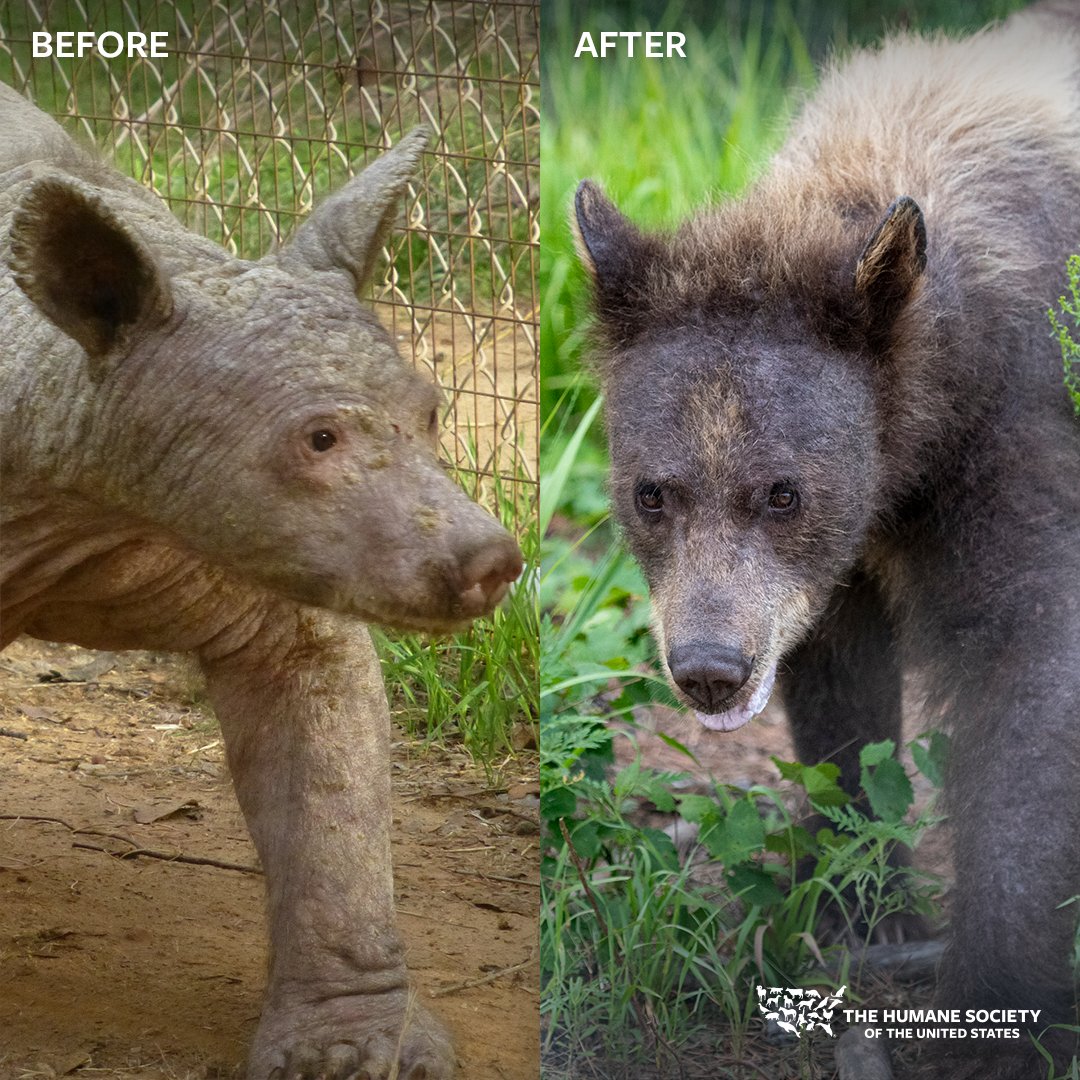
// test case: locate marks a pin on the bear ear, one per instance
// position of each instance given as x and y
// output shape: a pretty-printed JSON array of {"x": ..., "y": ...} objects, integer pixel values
[
  {"x": 87, "y": 272},
  {"x": 616, "y": 255},
  {"x": 605, "y": 239},
  {"x": 348, "y": 230},
  {"x": 891, "y": 264}
]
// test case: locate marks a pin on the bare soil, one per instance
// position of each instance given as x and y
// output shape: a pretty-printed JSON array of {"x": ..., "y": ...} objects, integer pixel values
[{"x": 118, "y": 964}]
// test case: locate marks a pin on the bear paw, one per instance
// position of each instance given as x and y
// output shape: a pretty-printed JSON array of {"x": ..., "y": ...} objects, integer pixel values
[
  {"x": 352, "y": 1038},
  {"x": 996, "y": 1062}
]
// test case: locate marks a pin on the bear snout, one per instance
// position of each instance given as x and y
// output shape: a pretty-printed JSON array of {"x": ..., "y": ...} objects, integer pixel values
[
  {"x": 486, "y": 576},
  {"x": 709, "y": 673}
]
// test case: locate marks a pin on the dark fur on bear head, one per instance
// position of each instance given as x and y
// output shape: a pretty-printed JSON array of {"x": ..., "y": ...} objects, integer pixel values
[{"x": 744, "y": 422}]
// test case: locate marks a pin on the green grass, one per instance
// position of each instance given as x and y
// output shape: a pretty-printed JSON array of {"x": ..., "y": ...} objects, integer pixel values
[
  {"x": 478, "y": 686},
  {"x": 1069, "y": 335}
]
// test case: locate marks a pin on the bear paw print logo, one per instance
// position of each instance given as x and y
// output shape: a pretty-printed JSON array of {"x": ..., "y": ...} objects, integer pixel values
[{"x": 796, "y": 1011}]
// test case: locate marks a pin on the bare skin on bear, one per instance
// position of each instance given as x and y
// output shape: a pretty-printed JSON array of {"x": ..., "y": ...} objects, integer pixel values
[
  {"x": 230, "y": 459},
  {"x": 841, "y": 448}
]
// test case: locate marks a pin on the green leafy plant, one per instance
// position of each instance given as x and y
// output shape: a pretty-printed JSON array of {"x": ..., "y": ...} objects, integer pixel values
[
  {"x": 1069, "y": 308},
  {"x": 643, "y": 949}
]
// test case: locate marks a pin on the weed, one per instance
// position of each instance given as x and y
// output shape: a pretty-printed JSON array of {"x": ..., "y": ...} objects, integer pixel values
[
  {"x": 1070, "y": 346},
  {"x": 480, "y": 684}
]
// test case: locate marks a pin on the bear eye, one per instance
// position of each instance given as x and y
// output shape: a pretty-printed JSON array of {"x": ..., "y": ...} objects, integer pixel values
[
  {"x": 322, "y": 440},
  {"x": 783, "y": 498},
  {"x": 433, "y": 423},
  {"x": 650, "y": 499}
]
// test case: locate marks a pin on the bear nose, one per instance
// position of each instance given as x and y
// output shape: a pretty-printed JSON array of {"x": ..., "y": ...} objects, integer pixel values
[
  {"x": 487, "y": 575},
  {"x": 708, "y": 673}
]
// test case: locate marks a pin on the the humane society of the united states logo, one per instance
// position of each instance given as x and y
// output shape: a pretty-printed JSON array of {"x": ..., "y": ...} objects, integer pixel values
[{"x": 797, "y": 1010}]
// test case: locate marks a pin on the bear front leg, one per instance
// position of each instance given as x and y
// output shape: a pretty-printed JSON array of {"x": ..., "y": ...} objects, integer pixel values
[
  {"x": 1016, "y": 846},
  {"x": 841, "y": 690},
  {"x": 307, "y": 733},
  {"x": 842, "y": 686}
]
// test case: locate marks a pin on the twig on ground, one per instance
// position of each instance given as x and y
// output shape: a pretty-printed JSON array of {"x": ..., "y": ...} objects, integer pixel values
[
  {"x": 150, "y": 853},
  {"x": 38, "y": 817},
  {"x": 172, "y": 856},
  {"x": 743, "y": 1063},
  {"x": 438, "y": 919},
  {"x": 494, "y": 877},
  {"x": 482, "y": 980}
]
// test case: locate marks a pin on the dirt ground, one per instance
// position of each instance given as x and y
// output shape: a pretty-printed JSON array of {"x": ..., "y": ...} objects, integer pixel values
[{"x": 152, "y": 968}]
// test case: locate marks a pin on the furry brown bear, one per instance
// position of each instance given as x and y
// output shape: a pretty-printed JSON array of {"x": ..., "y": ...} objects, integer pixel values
[{"x": 841, "y": 448}]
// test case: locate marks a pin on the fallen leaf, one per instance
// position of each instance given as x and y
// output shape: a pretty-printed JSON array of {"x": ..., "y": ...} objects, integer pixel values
[
  {"x": 148, "y": 813},
  {"x": 33, "y": 712}
]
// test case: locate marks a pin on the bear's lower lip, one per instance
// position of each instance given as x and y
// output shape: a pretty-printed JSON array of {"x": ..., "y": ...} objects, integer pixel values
[
  {"x": 733, "y": 719},
  {"x": 725, "y": 721}
]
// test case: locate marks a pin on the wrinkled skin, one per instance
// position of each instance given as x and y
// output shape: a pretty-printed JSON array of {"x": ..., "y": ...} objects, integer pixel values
[{"x": 230, "y": 459}]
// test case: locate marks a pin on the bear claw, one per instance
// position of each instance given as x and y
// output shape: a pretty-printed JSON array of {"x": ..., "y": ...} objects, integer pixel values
[{"x": 294, "y": 1050}]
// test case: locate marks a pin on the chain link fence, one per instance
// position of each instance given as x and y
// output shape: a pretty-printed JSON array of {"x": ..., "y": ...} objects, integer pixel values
[{"x": 263, "y": 106}]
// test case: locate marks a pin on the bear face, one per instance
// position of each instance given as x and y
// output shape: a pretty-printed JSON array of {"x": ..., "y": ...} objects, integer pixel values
[{"x": 745, "y": 486}]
